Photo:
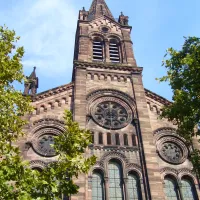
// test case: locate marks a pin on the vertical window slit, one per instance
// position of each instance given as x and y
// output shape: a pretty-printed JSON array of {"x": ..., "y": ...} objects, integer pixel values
[
  {"x": 117, "y": 140},
  {"x": 100, "y": 138}
]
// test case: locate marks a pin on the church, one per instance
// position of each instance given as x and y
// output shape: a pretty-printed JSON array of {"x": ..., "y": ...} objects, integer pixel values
[{"x": 139, "y": 156}]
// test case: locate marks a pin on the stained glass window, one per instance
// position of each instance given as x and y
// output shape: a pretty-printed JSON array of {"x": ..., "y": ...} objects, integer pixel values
[
  {"x": 134, "y": 187},
  {"x": 171, "y": 191},
  {"x": 115, "y": 181},
  {"x": 188, "y": 190},
  {"x": 97, "y": 186}
]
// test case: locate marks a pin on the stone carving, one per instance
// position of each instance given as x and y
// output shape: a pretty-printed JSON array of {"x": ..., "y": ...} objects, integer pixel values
[
  {"x": 43, "y": 140},
  {"x": 171, "y": 152},
  {"x": 110, "y": 115},
  {"x": 172, "y": 149},
  {"x": 38, "y": 164}
]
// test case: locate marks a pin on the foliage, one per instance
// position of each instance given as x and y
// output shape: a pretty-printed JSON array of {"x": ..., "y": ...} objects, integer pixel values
[
  {"x": 183, "y": 74},
  {"x": 17, "y": 180}
]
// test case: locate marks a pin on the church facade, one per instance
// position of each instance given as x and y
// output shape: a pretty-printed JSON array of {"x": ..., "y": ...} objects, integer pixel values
[{"x": 139, "y": 156}]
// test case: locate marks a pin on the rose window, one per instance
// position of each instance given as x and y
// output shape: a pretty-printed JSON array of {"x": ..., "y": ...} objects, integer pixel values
[
  {"x": 171, "y": 152},
  {"x": 45, "y": 143},
  {"x": 111, "y": 115},
  {"x": 172, "y": 149}
]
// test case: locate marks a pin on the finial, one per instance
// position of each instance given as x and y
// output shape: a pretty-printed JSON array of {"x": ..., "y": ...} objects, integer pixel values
[
  {"x": 83, "y": 8},
  {"x": 34, "y": 68},
  {"x": 122, "y": 14}
]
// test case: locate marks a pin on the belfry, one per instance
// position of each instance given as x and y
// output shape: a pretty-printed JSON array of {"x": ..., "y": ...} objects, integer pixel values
[{"x": 139, "y": 156}]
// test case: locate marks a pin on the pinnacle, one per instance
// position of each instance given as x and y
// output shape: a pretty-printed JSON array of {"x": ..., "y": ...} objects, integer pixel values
[{"x": 99, "y": 8}]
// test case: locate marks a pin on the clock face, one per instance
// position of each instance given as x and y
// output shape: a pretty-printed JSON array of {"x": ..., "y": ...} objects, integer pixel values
[
  {"x": 111, "y": 115},
  {"x": 45, "y": 143}
]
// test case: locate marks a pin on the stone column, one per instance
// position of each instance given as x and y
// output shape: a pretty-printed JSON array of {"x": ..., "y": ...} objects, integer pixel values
[
  {"x": 126, "y": 188},
  {"x": 106, "y": 188}
]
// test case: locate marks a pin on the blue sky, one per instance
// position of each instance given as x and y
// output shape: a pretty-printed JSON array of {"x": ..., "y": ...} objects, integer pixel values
[{"x": 47, "y": 29}]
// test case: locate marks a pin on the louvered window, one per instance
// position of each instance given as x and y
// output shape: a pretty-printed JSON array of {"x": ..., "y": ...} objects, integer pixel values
[
  {"x": 114, "y": 51},
  {"x": 188, "y": 190},
  {"x": 97, "y": 186},
  {"x": 97, "y": 50},
  {"x": 134, "y": 187}
]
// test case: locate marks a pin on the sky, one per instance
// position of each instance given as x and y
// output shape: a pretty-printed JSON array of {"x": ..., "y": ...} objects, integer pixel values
[{"x": 47, "y": 30}]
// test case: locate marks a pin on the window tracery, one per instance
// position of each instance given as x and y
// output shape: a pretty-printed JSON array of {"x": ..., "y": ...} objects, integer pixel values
[{"x": 134, "y": 189}]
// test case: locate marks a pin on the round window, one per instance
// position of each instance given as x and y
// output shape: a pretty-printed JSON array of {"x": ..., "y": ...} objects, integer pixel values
[
  {"x": 111, "y": 113},
  {"x": 105, "y": 29}
]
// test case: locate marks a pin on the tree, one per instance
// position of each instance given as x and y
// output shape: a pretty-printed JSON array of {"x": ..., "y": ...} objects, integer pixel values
[
  {"x": 17, "y": 180},
  {"x": 183, "y": 74}
]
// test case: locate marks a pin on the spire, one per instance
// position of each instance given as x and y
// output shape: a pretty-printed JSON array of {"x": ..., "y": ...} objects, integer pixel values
[
  {"x": 99, "y": 8},
  {"x": 31, "y": 84}
]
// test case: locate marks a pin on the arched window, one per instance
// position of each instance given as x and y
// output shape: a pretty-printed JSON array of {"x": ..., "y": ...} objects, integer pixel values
[
  {"x": 109, "y": 138},
  {"x": 92, "y": 134},
  {"x": 134, "y": 189},
  {"x": 97, "y": 50},
  {"x": 125, "y": 139},
  {"x": 114, "y": 51},
  {"x": 171, "y": 189},
  {"x": 115, "y": 181},
  {"x": 97, "y": 186},
  {"x": 188, "y": 189},
  {"x": 134, "y": 140},
  {"x": 100, "y": 138},
  {"x": 117, "y": 140}
]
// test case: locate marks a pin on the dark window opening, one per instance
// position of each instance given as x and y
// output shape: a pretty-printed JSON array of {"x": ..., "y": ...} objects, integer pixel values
[
  {"x": 125, "y": 139},
  {"x": 117, "y": 139},
  {"x": 92, "y": 137},
  {"x": 100, "y": 138},
  {"x": 134, "y": 140},
  {"x": 109, "y": 138}
]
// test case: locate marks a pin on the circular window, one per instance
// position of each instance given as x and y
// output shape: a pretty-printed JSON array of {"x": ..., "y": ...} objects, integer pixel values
[
  {"x": 44, "y": 140},
  {"x": 45, "y": 145},
  {"x": 172, "y": 150},
  {"x": 111, "y": 114},
  {"x": 105, "y": 29}
]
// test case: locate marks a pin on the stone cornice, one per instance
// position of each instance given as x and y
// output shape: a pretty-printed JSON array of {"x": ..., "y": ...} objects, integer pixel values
[
  {"x": 111, "y": 66},
  {"x": 157, "y": 97},
  {"x": 69, "y": 86},
  {"x": 52, "y": 92}
]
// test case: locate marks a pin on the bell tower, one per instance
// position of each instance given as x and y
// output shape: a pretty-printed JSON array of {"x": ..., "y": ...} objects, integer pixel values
[{"x": 109, "y": 99}]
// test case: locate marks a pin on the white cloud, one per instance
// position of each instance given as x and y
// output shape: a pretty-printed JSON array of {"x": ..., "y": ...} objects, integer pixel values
[{"x": 47, "y": 30}]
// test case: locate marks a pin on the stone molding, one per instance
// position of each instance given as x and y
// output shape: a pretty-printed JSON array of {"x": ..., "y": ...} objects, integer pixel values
[
  {"x": 157, "y": 97},
  {"x": 52, "y": 92},
  {"x": 178, "y": 173},
  {"x": 110, "y": 66}
]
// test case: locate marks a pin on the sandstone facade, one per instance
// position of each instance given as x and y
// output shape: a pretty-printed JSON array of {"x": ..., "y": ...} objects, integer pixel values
[{"x": 107, "y": 96}]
